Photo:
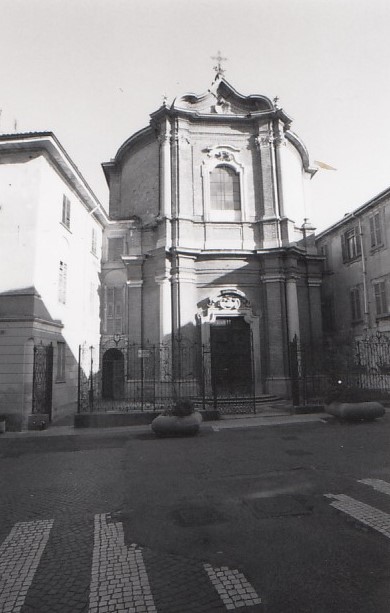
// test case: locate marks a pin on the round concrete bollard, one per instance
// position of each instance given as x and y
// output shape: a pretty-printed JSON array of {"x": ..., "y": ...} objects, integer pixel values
[
  {"x": 172, "y": 425},
  {"x": 355, "y": 411}
]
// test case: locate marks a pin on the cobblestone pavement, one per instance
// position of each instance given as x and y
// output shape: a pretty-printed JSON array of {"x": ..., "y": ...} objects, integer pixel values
[{"x": 82, "y": 530}]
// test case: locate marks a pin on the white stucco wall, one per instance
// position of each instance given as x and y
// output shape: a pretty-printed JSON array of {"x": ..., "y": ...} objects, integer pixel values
[
  {"x": 19, "y": 194},
  {"x": 33, "y": 241},
  {"x": 55, "y": 243},
  {"x": 293, "y": 184}
]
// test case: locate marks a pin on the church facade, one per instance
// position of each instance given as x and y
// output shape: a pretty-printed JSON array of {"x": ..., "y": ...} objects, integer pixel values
[{"x": 210, "y": 242}]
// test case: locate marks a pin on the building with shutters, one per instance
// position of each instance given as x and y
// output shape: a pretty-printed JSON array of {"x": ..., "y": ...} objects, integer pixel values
[
  {"x": 50, "y": 253},
  {"x": 211, "y": 244},
  {"x": 356, "y": 280}
]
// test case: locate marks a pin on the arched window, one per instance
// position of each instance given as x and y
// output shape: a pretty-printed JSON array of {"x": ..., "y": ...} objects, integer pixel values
[{"x": 225, "y": 189}]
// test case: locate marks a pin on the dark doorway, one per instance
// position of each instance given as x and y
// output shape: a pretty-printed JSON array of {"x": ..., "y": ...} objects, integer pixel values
[
  {"x": 113, "y": 374},
  {"x": 231, "y": 357}
]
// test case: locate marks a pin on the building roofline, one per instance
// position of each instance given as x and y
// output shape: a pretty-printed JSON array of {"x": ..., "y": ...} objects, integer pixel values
[
  {"x": 356, "y": 213},
  {"x": 47, "y": 141}
]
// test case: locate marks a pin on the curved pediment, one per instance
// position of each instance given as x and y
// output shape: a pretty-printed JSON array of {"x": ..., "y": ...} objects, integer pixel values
[{"x": 222, "y": 99}]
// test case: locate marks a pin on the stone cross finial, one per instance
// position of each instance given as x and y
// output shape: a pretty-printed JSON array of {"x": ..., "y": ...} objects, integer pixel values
[{"x": 218, "y": 68}]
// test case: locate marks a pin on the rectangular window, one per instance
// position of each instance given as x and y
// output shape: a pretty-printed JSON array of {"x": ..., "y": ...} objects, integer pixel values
[
  {"x": 115, "y": 249},
  {"x": 62, "y": 281},
  {"x": 61, "y": 355},
  {"x": 356, "y": 307},
  {"x": 351, "y": 245},
  {"x": 94, "y": 241},
  {"x": 66, "y": 211},
  {"x": 114, "y": 310},
  {"x": 380, "y": 293},
  {"x": 376, "y": 230}
]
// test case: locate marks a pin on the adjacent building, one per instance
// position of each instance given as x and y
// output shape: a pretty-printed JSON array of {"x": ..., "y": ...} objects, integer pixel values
[
  {"x": 356, "y": 280},
  {"x": 50, "y": 252},
  {"x": 210, "y": 245}
]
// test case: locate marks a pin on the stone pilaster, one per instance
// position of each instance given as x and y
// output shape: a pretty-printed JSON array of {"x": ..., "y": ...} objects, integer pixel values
[
  {"x": 270, "y": 211},
  {"x": 165, "y": 169},
  {"x": 292, "y": 308}
]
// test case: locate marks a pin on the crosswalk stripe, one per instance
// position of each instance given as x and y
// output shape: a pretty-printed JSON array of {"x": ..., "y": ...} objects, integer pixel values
[
  {"x": 377, "y": 484},
  {"x": 20, "y": 554},
  {"x": 118, "y": 579},
  {"x": 366, "y": 514},
  {"x": 233, "y": 588}
]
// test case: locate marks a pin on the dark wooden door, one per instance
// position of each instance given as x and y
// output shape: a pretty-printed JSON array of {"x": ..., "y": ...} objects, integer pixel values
[
  {"x": 231, "y": 357},
  {"x": 113, "y": 374}
]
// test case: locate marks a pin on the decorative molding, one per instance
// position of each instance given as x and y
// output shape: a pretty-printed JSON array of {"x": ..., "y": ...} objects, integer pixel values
[
  {"x": 229, "y": 302},
  {"x": 264, "y": 141}
]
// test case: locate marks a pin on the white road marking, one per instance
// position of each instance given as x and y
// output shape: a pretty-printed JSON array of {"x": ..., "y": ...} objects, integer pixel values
[
  {"x": 233, "y": 588},
  {"x": 377, "y": 484},
  {"x": 370, "y": 516},
  {"x": 20, "y": 554},
  {"x": 118, "y": 579}
]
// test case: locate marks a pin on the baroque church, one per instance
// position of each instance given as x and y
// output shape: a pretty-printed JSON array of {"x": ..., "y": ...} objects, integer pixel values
[{"x": 210, "y": 247}]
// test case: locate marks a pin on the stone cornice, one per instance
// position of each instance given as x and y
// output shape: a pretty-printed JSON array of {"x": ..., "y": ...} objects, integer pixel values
[{"x": 48, "y": 143}]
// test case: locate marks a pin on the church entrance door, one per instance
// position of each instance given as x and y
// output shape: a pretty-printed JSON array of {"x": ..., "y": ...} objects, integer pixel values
[
  {"x": 231, "y": 357},
  {"x": 113, "y": 374}
]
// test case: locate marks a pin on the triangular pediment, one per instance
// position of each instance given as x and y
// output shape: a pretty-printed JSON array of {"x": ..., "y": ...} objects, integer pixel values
[{"x": 222, "y": 99}]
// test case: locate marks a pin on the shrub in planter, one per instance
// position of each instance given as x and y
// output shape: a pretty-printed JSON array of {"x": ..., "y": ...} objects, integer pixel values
[
  {"x": 181, "y": 420},
  {"x": 353, "y": 403}
]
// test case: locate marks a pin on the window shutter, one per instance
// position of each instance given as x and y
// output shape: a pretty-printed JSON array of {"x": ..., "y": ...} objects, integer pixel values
[
  {"x": 378, "y": 229},
  {"x": 372, "y": 231},
  {"x": 118, "y": 310},
  {"x": 358, "y": 241}
]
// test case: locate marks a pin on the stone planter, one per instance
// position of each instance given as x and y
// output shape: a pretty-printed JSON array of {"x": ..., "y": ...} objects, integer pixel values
[
  {"x": 355, "y": 411},
  {"x": 172, "y": 425}
]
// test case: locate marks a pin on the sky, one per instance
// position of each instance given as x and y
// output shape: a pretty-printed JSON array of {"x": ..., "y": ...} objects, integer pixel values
[{"x": 92, "y": 71}]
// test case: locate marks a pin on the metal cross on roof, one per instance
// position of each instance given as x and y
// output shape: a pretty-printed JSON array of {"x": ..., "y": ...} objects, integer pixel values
[{"x": 218, "y": 68}]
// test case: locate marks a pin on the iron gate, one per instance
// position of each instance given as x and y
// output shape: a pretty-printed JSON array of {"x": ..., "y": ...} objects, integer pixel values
[
  {"x": 42, "y": 379},
  {"x": 151, "y": 377},
  {"x": 362, "y": 363}
]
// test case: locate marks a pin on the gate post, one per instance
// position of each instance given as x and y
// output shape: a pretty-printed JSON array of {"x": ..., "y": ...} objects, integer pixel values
[{"x": 294, "y": 370}]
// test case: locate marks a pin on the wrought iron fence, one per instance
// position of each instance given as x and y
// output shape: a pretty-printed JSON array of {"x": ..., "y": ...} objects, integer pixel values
[
  {"x": 363, "y": 363},
  {"x": 124, "y": 376},
  {"x": 42, "y": 379}
]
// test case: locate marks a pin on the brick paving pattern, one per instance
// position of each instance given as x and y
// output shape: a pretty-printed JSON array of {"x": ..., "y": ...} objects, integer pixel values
[
  {"x": 119, "y": 581},
  {"x": 20, "y": 554},
  {"x": 233, "y": 588},
  {"x": 378, "y": 485},
  {"x": 366, "y": 514}
]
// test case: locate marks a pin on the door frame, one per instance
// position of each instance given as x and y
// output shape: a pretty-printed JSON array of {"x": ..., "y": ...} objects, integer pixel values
[{"x": 230, "y": 303}]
